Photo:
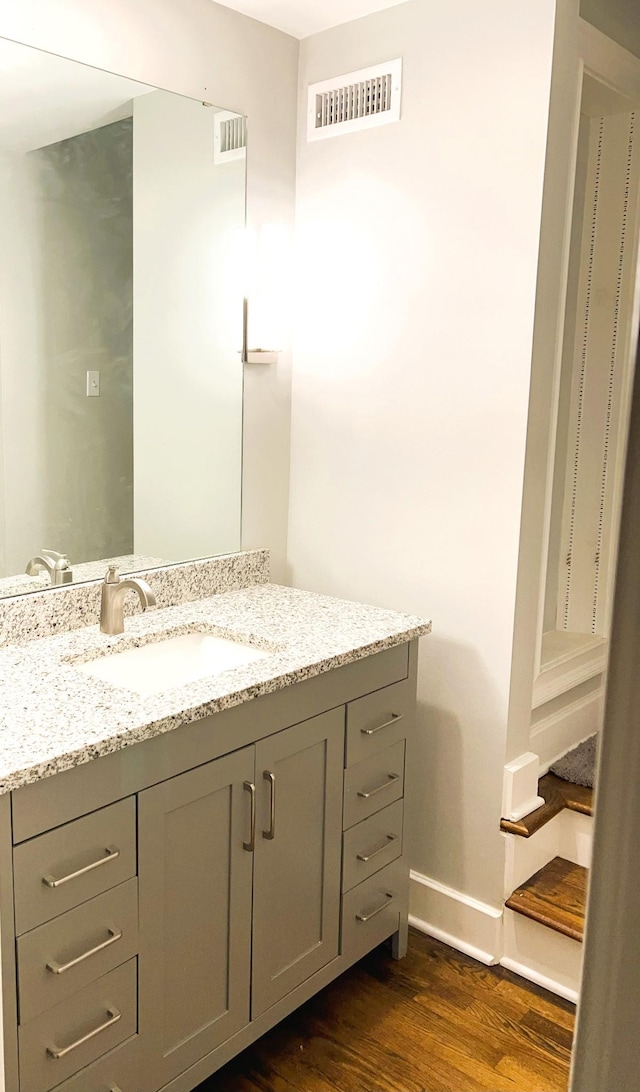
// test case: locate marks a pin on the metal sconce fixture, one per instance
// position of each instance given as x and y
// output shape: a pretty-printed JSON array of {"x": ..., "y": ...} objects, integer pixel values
[{"x": 254, "y": 356}]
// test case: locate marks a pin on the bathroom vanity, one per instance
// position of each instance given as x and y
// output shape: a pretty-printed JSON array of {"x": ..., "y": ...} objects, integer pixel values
[{"x": 182, "y": 869}]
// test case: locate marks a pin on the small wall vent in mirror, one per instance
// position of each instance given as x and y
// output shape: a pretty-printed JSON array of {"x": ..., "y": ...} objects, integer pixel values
[
  {"x": 358, "y": 100},
  {"x": 229, "y": 136}
]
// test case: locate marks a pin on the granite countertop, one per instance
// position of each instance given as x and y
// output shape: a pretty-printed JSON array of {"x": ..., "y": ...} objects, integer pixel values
[
  {"x": 54, "y": 717},
  {"x": 86, "y": 570}
]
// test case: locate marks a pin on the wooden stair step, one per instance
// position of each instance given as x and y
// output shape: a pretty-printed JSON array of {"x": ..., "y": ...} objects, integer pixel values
[
  {"x": 557, "y": 795},
  {"x": 556, "y": 896}
]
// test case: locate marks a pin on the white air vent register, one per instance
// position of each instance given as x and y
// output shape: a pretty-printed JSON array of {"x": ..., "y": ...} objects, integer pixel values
[
  {"x": 229, "y": 136},
  {"x": 358, "y": 100}
]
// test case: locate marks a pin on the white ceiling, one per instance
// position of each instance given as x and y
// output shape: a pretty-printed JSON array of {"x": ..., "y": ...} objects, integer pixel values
[
  {"x": 304, "y": 17},
  {"x": 44, "y": 98}
]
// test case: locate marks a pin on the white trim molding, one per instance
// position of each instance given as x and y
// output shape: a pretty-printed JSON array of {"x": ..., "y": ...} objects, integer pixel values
[
  {"x": 566, "y": 726},
  {"x": 563, "y": 670},
  {"x": 470, "y": 926},
  {"x": 520, "y": 786}
]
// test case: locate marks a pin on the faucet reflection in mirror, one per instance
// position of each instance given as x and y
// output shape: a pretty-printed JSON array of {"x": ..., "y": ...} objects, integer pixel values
[
  {"x": 117, "y": 232},
  {"x": 56, "y": 565}
]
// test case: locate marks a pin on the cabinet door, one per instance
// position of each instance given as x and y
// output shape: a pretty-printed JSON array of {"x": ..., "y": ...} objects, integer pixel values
[
  {"x": 195, "y": 912},
  {"x": 299, "y": 775}
]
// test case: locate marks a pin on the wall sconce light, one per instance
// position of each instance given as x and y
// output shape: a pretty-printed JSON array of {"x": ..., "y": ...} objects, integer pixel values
[
  {"x": 254, "y": 356},
  {"x": 267, "y": 267}
]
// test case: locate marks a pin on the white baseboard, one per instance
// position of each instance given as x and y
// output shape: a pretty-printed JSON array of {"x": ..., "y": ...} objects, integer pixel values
[
  {"x": 540, "y": 979},
  {"x": 542, "y": 955},
  {"x": 563, "y": 728},
  {"x": 472, "y": 927}
]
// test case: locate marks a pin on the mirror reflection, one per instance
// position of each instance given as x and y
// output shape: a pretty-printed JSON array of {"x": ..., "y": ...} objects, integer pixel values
[{"x": 122, "y": 209}]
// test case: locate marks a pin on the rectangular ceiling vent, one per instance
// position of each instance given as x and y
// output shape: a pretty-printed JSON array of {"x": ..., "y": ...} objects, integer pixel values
[
  {"x": 229, "y": 136},
  {"x": 358, "y": 100}
]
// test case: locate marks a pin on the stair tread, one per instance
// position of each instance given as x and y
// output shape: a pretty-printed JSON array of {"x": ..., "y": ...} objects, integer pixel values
[
  {"x": 557, "y": 795},
  {"x": 555, "y": 896}
]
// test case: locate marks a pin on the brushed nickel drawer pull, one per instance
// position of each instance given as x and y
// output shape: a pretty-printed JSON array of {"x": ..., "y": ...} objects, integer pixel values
[
  {"x": 395, "y": 717},
  {"x": 249, "y": 787},
  {"x": 378, "y": 909},
  {"x": 111, "y": 853},
  {"x": 369, "y": 856},
  {"x": 60, "y": 968},
  {"x": 271, "y": 832},
  {"x": 373, "y": 792},
  {"x": 61, "y": 1052}
]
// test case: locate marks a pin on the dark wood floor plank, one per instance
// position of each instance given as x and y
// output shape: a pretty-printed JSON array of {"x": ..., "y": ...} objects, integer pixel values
[
  {"x": 436, "y": 1021},
  {"x": 555, "y": 896},
  {"x": 551, "y": 1032}
]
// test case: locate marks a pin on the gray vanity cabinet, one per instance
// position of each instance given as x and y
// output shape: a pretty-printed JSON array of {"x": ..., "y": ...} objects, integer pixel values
[
  {"x": 193, "y": 890},
  {"x": 296, "y": 880},
  {"x": 195, "y": 883},
  {"x": 241, "y": 853}
]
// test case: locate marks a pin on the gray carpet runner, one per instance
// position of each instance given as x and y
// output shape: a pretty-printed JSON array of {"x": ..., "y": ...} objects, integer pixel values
[{"x": 579, "y": 765}]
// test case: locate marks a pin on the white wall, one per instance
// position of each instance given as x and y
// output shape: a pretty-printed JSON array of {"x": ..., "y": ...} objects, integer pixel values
[
  {"x": 24, "y": 477},
  {"x": 418, "y": 250},
  {"x": 188, "y": 220},
  {"x": 203, "y": 50}
]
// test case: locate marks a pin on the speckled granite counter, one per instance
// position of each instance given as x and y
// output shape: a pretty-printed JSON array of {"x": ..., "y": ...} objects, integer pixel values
[
  {"x": 86, "y": 570},
  {"x": 54, "y": 717}
]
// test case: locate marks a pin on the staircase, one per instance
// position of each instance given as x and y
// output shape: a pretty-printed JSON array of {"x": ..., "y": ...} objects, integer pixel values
[{"x": 548, "y": 854}]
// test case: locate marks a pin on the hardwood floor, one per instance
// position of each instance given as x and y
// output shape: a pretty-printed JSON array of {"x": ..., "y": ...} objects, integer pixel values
[{"x": 436, "y": 1021}]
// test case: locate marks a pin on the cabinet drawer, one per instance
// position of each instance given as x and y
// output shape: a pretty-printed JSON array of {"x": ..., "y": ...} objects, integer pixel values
[
  {"x": 120, "y": 1070},
  {"x": 71, "y": 864},
  {"x": 372, "y": 844},
  {"x": 74, "y": 949},
  {"x": 378, "y": 720},
  {"x": 371, "y": 911},
  {"x": 371, "y": 785},
  {"x": 63, "y": 1040}
]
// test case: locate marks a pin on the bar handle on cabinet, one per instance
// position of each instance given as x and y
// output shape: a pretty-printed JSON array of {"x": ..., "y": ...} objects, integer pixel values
[
  {"x": 369, "y": 856},
  {"x": 379, "y": 788},
  {"x": 271, "y": 778},
  {"x": 111, "y": 853},
  {"x": 60, "y": 968},
  {"x": 61, "y": 1052},
  {"x": 249, "y": 787},
  {"x": 378, "y": 909},
  {"x": 395, "y": 717}
]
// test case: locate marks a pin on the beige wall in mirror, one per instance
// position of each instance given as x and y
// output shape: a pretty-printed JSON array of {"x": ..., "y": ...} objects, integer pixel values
[{"x": 121, "y": 230}]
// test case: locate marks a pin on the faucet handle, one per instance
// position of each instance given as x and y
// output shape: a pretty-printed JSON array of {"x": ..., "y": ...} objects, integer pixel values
[{"x": 112, "y": 575}]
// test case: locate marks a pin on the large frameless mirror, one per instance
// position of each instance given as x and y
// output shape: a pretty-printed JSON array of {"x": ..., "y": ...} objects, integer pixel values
[{"x": 122, "y": 210}]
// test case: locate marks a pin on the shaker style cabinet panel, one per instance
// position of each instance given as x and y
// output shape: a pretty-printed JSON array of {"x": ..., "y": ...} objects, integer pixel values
[
  {"x": 296, "y": 888},
  {"x": 195, "y": 912}
]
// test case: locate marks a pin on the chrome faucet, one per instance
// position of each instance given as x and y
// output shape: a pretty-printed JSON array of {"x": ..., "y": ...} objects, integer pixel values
[
  {"x": 112, "y": 601},
  {"x": 57, "y": 565}
]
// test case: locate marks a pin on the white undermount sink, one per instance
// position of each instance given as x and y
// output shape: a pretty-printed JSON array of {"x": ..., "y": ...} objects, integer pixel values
[{"x": 171, "y": 661}]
